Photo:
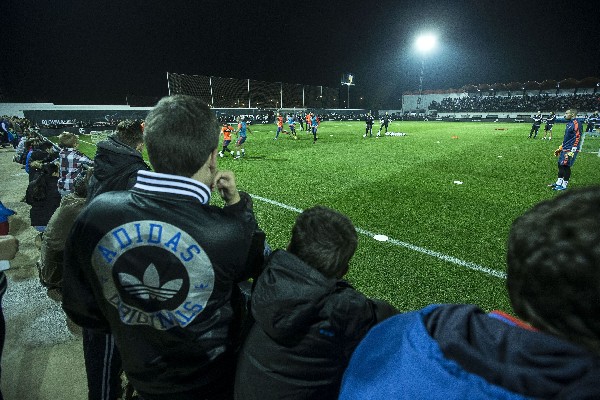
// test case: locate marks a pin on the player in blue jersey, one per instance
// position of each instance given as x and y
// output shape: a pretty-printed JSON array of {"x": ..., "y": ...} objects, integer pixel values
[
  {"x": 292, "y": 124},
  {"x": 567, "y": 152},
  {"x": 537, "y": 121},
  {"x": 241, "y": 132},
  {"x": 549, "y": 124},
  {"x": 314, "y": 123}
]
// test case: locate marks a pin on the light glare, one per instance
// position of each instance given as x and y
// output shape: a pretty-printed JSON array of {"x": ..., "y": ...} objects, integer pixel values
[{"x": 426, "y": 42}]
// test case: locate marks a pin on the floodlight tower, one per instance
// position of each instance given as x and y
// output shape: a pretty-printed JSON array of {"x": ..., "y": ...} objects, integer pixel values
[
  {"x": 425, "y": 43},
  {"x": 348, "y": 80}
]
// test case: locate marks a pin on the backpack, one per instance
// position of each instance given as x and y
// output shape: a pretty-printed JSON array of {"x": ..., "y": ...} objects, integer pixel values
[{"x": 36, "y": 190}]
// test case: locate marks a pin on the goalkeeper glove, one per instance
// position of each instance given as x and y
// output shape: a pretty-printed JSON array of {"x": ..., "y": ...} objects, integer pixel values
[
  {"x": 570, "y": 154},
  {"x": 557, "y": 151}
]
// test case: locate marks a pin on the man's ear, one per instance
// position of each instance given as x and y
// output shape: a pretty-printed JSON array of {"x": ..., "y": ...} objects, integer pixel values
[{"x": 212, "y": 160}]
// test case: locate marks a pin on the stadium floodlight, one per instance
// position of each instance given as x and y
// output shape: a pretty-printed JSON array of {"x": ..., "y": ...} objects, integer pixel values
[
  {"x": 348, "y": 80},
  {"x": 425, "y": 44}
]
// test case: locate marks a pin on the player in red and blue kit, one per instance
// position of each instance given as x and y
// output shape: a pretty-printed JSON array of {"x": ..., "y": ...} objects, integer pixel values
[
  {"x": 226, "y": 130},
  {"x": 567, "y": 152},
  {"x": 279, "y": 121}
]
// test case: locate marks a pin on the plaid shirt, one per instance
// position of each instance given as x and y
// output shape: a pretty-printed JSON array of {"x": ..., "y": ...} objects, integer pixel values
[{"x": 71, "y": 162}]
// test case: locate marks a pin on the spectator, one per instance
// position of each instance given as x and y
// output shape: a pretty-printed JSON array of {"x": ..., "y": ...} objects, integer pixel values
[
  {"x": 5, "y": 132},
  {"x": 43, "y": 197},
  {"x": 457, "y": 351},
  {"x": 42, "y": 152},
  {"x": 155, "y": 265},
  {"x": 9, "y": 246},
  {"x": 118, "y": 159},
  {"x": 4, "y": 214},
  {"x": 71, "y": 161},
  {"x": 57, "y": 230},
  {"x": 308, "y": 321}
]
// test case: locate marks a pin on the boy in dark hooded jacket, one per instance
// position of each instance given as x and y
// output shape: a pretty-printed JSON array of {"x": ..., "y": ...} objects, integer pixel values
[{"x": 308, "y": 321}]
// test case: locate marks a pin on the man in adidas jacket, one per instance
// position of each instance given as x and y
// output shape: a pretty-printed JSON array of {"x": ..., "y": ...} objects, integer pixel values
[{"x": 157, "y": 265}]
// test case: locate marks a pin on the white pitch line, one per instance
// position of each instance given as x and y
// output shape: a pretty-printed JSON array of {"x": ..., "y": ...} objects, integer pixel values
[{"x": 432, "y": 253}]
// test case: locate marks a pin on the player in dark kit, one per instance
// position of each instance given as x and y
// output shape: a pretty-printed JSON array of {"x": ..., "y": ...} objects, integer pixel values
[
  {"x": 369, "y": 120},
  {"x": 537, "y": 121},
  {"x": 385, "y": 121},
  {"x": 549, "y": 124},
  {"x": 592, "y": 121}
]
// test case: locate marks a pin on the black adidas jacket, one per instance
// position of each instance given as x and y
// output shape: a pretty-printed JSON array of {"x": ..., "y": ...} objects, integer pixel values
[{"x": 157, "y": 266}]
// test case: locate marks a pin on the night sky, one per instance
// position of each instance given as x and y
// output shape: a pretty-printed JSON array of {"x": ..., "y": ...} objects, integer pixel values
[{"x": 100, "y": 52}]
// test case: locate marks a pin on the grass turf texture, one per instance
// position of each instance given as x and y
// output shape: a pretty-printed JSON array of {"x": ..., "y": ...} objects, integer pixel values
[{"x": 404, "y": 187}]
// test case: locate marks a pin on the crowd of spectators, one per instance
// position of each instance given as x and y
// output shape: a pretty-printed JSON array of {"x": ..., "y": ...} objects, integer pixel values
[{"x": 478, "y": 103}]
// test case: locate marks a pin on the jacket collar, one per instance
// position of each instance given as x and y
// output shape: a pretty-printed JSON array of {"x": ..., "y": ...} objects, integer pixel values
[{"x": 174, "y": 184}]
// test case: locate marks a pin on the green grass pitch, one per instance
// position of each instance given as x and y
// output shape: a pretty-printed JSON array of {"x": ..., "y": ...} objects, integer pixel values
[{"x": 447, "y": 241}]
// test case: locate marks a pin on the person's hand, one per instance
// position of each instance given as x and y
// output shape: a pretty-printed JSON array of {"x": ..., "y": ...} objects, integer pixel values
[
  {"x": 225, "y": 184},
  {"x": 557, "y": 151},
  {"x": 570, "y": 154},
  {"x": 9, "y": 245}
]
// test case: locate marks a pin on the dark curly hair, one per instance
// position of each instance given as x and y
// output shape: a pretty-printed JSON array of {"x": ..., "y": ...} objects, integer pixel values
[
  {"x": 553, "y": 258},
  {"x": 130, "y": 132},
  {"x": 324, "y": 239}
]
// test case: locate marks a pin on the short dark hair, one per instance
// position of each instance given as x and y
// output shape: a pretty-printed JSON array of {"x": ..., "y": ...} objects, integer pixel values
[
  {"x": 180, "y": 132},
  {"x": 324, "y": 239},
  {"x": 130, "y": 132},
  {"x": 553, "y": 275},
  {"x": 67, "y": 140}
]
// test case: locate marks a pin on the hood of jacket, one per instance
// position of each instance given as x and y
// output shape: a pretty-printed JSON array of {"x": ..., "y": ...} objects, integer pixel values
[
  {"x": 522, "y": 360},
  {"x": 113, "y": 157},
  {"x": 288, "y": 296}
]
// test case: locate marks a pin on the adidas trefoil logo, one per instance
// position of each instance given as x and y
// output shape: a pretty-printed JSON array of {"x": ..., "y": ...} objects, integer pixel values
[{"x": 150, "y": 287}]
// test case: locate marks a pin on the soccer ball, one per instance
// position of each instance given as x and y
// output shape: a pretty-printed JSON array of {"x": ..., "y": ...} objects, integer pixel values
[{"x": 365, "y": 135}]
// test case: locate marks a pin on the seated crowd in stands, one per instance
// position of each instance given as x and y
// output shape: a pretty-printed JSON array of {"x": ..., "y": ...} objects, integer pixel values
[
  {"x": 301, "y": 331},
  {"x": 516, "y": 103}
]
